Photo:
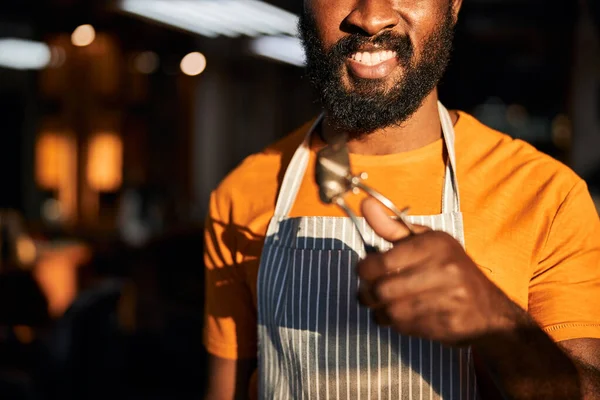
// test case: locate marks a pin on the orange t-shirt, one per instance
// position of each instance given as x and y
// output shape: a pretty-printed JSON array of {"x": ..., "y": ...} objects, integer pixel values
[{"x": 530, "y": 225}]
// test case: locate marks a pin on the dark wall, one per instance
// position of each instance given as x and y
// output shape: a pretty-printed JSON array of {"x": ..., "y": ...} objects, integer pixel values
[
  {"x": 595, "y": 10},
  {"x": 11, "y": 126},
  {"x": 521, "y": 52}
]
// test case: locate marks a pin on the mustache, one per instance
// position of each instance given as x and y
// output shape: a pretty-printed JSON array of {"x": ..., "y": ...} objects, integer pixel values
[{"x": 388, "y": 40}]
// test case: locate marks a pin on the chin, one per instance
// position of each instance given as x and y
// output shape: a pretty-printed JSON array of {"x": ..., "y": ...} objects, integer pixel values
[{"x": 371, "y": 87}]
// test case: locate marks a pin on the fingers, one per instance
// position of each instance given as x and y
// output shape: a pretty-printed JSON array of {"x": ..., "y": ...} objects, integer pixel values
[
  {"x": 408, "y": 282},
  {"x": 406, "y": 315},
  {"x": 414, "y": 250},
  {"x": 423, "y": 315},
  {"x": 382, "y": 224}
]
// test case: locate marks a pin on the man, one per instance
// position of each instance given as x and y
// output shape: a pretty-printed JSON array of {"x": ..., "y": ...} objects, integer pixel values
[{"x": 495, "y": 293}]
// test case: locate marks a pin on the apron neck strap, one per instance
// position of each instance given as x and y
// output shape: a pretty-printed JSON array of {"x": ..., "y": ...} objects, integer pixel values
[
  {"x": 294, "y": 173},
  {"x": 295, "y": 170},
  {"x": 450, "y": 197}
]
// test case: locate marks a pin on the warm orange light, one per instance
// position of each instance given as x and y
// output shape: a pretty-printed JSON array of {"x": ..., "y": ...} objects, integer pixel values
[
  {"x": 105, "y": 162},
  {"x": 56, "y": 273},
  {"x": 26, "y": 251},
  {"x": 56, "y": 169},
  {"x": 24, "y": 334},
  {"x": 50, "y": 156}
]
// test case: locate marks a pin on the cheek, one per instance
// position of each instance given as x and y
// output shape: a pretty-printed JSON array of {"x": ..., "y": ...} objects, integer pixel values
[
  {"x": 329, "y": 16},
  {"x": 421, "y": 22}
]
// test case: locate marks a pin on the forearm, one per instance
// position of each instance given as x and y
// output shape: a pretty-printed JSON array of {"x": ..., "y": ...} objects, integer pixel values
[
  {"x": 589, "y": 377},
  {"x": 525, "y": 363},
  {"x": 228, "y": 379}
]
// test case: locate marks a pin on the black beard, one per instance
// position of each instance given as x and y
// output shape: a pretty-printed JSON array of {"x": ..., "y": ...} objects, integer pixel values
[{"x": 369, "y": 106}]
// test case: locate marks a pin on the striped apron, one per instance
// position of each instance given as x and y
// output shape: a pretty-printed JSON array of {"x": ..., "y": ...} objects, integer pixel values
[{"x": 315, "y": 340}]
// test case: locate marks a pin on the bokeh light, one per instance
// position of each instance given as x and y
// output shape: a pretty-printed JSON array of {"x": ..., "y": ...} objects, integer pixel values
[
  {"x": 83, "y": 35},
  {"x": 193, "y": 64}
]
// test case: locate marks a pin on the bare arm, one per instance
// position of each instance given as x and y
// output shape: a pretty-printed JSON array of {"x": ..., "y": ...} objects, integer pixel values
[
  {"x": 526, "y": 364},
  {"x": 585, "y": 353},
  {"x": 228, "y": 379},
  {"x": 428, "y": 286}
]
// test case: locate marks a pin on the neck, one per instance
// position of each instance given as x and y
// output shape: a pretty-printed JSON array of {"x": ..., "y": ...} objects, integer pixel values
[{"x": 421, "y": 129}]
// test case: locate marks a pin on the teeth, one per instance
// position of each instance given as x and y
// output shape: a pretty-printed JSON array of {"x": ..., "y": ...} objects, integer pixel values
[
  {"x": 373, "y": 58},
  {"x": 366, "y": 59}
]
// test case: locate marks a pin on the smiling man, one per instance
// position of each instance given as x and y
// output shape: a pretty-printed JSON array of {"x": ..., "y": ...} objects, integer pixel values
[{"x": 495, "y": 294}]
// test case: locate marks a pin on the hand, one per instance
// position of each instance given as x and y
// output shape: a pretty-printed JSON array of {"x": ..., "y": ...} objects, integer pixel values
[{"x": 427, "y": 286}]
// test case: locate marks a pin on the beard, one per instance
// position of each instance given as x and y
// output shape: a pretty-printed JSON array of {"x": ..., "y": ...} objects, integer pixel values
[{"x": 369, "y": 105}]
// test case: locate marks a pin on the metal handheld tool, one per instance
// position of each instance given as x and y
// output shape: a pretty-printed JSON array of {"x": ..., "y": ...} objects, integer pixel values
[{"x": 335, "y": 180}]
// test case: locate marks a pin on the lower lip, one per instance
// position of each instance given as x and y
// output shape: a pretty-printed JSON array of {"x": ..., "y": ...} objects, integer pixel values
[{"x": 379, "y": 71}]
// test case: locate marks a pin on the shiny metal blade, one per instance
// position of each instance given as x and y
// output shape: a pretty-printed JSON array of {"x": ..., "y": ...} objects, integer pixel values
[{"x": 332, "y": 171}]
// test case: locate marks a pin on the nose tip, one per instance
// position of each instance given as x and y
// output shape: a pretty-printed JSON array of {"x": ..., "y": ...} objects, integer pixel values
[{"x": 372, "y": 17}]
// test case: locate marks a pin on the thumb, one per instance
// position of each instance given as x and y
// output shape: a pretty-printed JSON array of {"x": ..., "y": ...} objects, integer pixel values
[{"x": 384, "y": 225}]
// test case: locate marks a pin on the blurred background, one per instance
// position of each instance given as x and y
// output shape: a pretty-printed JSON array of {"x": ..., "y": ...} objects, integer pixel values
[{"x": 118, "y": 118}]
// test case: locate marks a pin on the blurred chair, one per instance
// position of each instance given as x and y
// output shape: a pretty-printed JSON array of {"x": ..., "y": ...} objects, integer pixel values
[
  {"x": 136, "y": 335},
  {"x": 86, "y": 347}
]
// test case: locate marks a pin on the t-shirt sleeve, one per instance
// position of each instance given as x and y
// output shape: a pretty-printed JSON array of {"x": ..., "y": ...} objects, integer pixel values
[
  {"x": 230, "y": 316},
  {"x": 564, "y": 295}
]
